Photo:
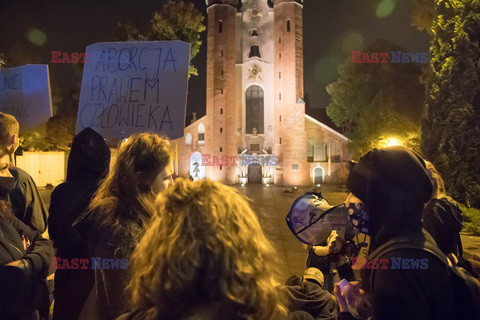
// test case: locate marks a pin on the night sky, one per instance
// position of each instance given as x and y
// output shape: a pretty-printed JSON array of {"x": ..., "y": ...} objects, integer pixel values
[{"x": 332, "y": 29}]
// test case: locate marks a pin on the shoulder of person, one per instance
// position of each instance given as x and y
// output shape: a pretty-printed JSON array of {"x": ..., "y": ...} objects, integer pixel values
[{"x": 20, "y": 175}]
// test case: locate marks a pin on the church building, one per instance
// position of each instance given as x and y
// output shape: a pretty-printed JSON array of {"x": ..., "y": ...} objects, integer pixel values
[{"x": 255, "y": 129}]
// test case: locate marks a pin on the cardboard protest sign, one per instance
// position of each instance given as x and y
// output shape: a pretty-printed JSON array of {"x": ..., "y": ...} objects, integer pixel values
[
  {"x": 25, "y": 94},
  {"x": 135, "y": 86}
]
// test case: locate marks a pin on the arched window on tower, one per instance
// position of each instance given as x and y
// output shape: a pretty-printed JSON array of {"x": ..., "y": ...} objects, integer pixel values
[
  {"x": 288, "y": 25},
  {"x": 220, "y": 26},
  {"x": 254, "y": 52},
  {"x": 201, "y": 134},
  {"x": 254, "y": 109},
  {"x": 188, "y": 139}
]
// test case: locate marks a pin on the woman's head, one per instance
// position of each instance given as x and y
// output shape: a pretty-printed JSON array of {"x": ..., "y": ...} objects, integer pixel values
[
  {"x": 205, "y": 247},
  {"x": 144, "y": 167}
]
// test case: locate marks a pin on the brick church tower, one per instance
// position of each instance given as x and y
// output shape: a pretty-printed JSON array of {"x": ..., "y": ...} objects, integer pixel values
[
  {"x": 255, "y": 90},
  {"x": 221, "y": 125},
  {"x": 290, "y": 134}
]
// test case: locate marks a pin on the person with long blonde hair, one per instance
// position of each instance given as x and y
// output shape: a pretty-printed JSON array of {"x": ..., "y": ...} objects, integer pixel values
[
  {"x": 118, "y": 215},
  {"x": 204, "y": 256}
]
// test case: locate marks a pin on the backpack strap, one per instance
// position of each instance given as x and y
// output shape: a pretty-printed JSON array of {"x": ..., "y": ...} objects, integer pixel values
[{"x": 404, "y": 243}]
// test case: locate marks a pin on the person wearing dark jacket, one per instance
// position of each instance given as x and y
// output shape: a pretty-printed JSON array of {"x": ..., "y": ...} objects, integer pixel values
[
  {"x": 442, "y": 219},
  {"x": 25, "y": 259},
  {"x": 309, "y": 296},
  {"x": 26, "y": 202},
  {"x": 389, "y": 188},
  {"x": 88, "y": 164}
]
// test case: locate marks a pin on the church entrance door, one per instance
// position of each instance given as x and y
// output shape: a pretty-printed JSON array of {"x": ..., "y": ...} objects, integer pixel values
[
  {"x": 318, "y": 172},
  {"x": 254, "y": 173}
]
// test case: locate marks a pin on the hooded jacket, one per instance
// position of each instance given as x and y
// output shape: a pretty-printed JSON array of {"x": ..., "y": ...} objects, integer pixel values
[
  {"x": 88, "y": 164},
  {"x": 394, "y": 185},
  {"x": 310, "y": 297},
  {"x": 443, "y": 220}
]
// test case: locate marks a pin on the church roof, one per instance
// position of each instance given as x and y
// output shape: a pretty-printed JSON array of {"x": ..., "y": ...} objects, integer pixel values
[{"x": 325, "y": 127}]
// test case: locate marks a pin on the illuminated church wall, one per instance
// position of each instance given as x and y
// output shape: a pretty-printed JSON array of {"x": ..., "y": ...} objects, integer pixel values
[{"x": 255, "y": 61}]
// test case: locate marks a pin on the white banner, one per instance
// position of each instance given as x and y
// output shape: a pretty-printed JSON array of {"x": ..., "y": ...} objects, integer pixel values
[
  {"x": 25, "y": 94},
  {"x": 135, "y": 86}
]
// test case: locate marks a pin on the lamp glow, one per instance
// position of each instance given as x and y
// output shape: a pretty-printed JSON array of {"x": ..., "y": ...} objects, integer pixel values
[{"x": 390, "y": 142}]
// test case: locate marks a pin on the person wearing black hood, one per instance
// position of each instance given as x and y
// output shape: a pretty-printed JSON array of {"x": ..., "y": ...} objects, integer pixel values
[
  {"x": 389, "y": 189},
  {"x": 442, "y": 219},
  {"x": 88, "y": 164}
]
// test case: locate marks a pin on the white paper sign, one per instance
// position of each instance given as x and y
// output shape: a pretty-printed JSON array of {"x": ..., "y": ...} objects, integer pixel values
[
  {"x": 135, "y": 86},
  {"x": 25, "y": 94}
]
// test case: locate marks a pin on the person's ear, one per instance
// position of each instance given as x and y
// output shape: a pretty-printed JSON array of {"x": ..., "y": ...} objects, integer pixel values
[{"x": 12, "y": 140}]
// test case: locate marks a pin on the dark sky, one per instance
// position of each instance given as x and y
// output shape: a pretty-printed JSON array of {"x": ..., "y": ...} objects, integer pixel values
[{"x": 332, "y": 29}]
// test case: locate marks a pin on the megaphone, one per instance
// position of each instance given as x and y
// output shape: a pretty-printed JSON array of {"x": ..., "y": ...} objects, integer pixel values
[{"x": 311, "y": 218}]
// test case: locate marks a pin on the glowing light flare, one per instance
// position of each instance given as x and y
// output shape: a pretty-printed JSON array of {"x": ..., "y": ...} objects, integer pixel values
[
  {"x": 390, "y": 142},
  {"x": 385, "y": 8},
  {"x": 352, "y": 41},
  {"x": 36, "y": 36}
]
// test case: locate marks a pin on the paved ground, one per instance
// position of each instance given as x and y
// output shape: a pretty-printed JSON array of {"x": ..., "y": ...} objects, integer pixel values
[{"x": 272, "y": 205}]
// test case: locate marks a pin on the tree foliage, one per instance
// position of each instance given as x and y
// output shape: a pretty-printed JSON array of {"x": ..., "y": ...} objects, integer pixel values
[
  {"x": 423, "y": 15},
  {"x": 177, "y": 20},
  {"x": 451, "y": 129},
  {"x": 375, "y": 101}
]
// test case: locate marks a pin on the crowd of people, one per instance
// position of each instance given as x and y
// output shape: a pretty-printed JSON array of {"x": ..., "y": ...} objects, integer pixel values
[{"x": 158, "y": 248}]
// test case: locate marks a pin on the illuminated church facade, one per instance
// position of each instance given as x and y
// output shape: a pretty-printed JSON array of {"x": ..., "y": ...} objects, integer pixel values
[{"x": 255, "y": 129}]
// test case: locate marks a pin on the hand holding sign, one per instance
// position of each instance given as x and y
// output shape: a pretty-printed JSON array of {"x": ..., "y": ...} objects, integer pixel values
[{"x": 136, "y": 86}]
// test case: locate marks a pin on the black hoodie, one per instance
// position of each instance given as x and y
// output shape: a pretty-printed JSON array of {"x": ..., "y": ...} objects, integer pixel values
[
  {"x": 88, "y": 164},
  {"x": 394, "y": 184},
  {"x": 310, "y": 297}
]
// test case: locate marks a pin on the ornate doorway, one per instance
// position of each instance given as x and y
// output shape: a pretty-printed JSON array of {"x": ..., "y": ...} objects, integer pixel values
[{"x": 254, "y": 173}]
